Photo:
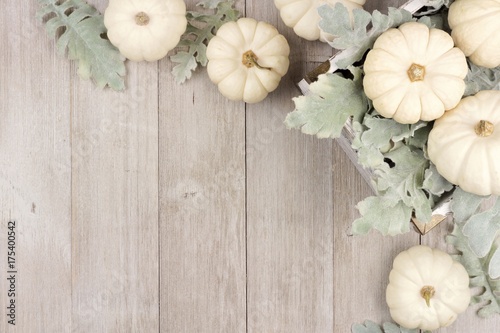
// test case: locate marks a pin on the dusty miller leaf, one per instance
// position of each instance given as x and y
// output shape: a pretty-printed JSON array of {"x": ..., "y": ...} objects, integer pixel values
[
  {"x": 482, "y": 228},
  {"x": 481, "y": 78},
  {"x": 83, "y": 26},
  {"x": 357, "y": 36},
  {"x": 435, "y": 183},
  {"x": 464, "y": 205},
  {"x": 410, "y": 184},
  {"x": 332, "y": 101},
  {"x": 488, "y": 299},
  {"x": 387, "y": 216},
  {"x": 404, "y": 180},
  {"x": 200, "y": 30},
  {"x": 379, "y": 135},
  {"x": 370, "y": 327}
]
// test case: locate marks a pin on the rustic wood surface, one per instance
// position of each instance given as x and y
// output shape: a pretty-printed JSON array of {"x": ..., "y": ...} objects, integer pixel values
[{"x": 167, "y": 208}]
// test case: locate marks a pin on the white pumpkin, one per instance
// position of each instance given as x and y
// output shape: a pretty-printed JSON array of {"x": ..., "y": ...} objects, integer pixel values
[
  {"x": 145, "y": 29},
  {"x": 247, "y": 59},
  {"x": 303, "y": 17},
  {"x": 475, "y": 29},
  {"x": 414, "y": 73},
  {"x": 427, "y": 289},
  {"x": 464, "y": 144}
]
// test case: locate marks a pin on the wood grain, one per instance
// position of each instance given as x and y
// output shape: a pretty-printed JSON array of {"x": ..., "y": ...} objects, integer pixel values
[
  {"x": 202, "y": 206},
  {"x": 35, "y": 173},
  {"x": 290, "y": 234},
  {"x": 115, "y": 259},
  {"x": 167, "y": 208}
]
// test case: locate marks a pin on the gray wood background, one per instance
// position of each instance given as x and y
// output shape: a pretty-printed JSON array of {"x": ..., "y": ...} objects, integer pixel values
[{"x": 167, "y": 208}]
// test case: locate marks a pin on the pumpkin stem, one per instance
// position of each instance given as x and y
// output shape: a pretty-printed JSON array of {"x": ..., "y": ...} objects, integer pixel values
[
  {"x": 484, "y": 128},
  {"x": 416, "y": 72},
  {"x": 141, "y": 18},
  {"x": 427, "y": 292},
  {"x": 249, "y": 59}
]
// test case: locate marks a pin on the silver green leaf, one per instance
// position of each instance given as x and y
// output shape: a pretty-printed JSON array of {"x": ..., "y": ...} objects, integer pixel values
[
  {"x": 359, "y": 33},
  {"x": 435, "y": 183},
  {"x": 480, "y": 78},
  {"x": 480, "y": 226},
  {"x": 403, "y": 180},
  {"x": 83, "y": 27},
  {"x": 357, "y": 36},
  {"x": 465, "y": 205},
  {"x": 371, "y": 327},
  {"x": 201, "y": 28},
  {"x": 388, "y": 216},
  {"x": 332, "y": 101},
  {"x": 489, "y": 297}
]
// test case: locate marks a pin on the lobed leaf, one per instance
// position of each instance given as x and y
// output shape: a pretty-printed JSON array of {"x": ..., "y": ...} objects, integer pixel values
[
  {"x": 481, "y": 78},
  {"x": 355, "y": 34},
  {"x": 488, "y": 299},
  {"x": 332, "y": 101},
  {"x": 83, "y": 27},
  {"x": 384, "y": 214},
  {"x": 200, "y": 30}
]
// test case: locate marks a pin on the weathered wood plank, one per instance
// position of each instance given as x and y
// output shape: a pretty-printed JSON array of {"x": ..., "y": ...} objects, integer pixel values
[
  {"x": 289, "y": 204},
  {"x": 35, "y": 177},
  {"x": 202, "y": 201},
  {"x": 115, "y": 204}
]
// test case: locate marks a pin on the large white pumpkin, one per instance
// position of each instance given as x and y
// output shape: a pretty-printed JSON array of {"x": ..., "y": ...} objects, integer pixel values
[
  {"x": 303, "y": 17},
  {"x": 475, "y": 28},
  {"x": 464, "y": 144},
  {"x": 246, "y": 59},
  {"x": 427, "y": 289},
  {"x": 414, "y": 73},
  {"x": 145, "y": 29}
]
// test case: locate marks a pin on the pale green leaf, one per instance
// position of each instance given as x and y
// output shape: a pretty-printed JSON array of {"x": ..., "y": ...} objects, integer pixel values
[
  {"x": 389, "y": 217},
  {"x": 480, "y": 78},
  {"x": 494, "y": 265},
  {"x": 360, "y": 35},
  {"x": 464, "y": 205},
  {"x": 404, "y": 180},
  {"x": 83, "y": 27},
  {"x": 395, "y": 154},
  {"x": 201, "y": 28},
  {"x": 482, "y": 228},
  {"x": 371, "y": 327},
  {"x": 332, "y": 101},
  {"x": 488, "y": 299},
  {"x": 435, "y": 183}
]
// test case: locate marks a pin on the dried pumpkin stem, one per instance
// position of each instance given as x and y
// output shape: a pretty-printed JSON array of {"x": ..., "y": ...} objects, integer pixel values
[
  {"x": 416, "y": 72},
  {"x": 141, "y": 18},
  {"x": 427, "y": 292},
  {"x": 484, "y": 128},
  {"x": 249, "y": 59}
]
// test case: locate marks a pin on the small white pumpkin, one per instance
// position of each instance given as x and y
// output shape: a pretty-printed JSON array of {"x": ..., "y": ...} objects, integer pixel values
[
  {"x": 303, "y": 17},
  {"x": 464, "y": 144},
  {"x": 427, "y": 289},
  {"x": 475, "y": 29},
  {"x": 247, "y": 59},
  {"x": 145, "y": 29},
  {"x": 414, "y": 73}
]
